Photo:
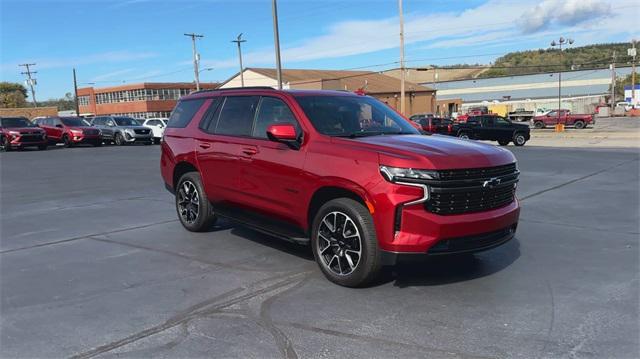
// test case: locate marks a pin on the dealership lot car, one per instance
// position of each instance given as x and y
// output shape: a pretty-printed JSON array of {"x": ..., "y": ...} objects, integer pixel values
[
  {"x": 18, "y": 132},
  {"x": 70, "y": 131},
  {"x": 122, "y": 130},
  {"x": 340, "y": 171},
  {"x": 157, "y": 126}
]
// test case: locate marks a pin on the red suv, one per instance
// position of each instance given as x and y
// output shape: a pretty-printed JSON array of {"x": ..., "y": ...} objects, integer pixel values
[
  {"x": 70, "y": 131},
  {"x": 340, "y": 171},
  {"x": 18, "y": 132}
]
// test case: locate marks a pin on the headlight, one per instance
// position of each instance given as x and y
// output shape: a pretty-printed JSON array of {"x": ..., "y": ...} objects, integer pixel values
[
  {"x": 396, "y": 174},
  {"x": 76, "y": 132}
]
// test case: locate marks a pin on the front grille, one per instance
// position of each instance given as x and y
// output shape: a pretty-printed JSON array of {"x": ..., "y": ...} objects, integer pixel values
[
  {"x": 473, "y": 243},
  {"x": 30, "y": 138},
  {"x": 470, "y": 201},
  {"x": 141, "y": 132},
  {"x": 477, "y": 173},
  {"x": 472, "y": 190}
]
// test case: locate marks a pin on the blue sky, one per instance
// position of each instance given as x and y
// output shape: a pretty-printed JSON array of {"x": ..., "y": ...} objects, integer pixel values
[{"x": 142, "y": 40}]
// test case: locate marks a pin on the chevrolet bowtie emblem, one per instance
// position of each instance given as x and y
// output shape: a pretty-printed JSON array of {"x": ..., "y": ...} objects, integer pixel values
[{"x": 491, "y": 183}]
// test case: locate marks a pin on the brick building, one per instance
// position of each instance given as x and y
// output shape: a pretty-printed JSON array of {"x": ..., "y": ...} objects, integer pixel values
[{"x": 141, "y": 100}]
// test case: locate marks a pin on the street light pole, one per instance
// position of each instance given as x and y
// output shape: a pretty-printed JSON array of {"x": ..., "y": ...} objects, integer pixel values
[
  {"x": 560, "y": 42},
  {"x": 632, "y": 52},
  {"x": 240, "y": 41},
  {"x": 402, "y": 70},
  {"x": 196, "y": 60},
  {"x": 276, "y": 38}
]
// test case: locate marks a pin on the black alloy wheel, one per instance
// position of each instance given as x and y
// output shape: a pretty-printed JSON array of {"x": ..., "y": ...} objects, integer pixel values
[
  {"x": 193, "y": 208},
  {"x": 519, "y": 139},
  {"x": 118, "y": 139}
]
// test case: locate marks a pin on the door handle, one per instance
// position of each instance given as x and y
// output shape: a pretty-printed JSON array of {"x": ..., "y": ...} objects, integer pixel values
[
  {"x": 249, "y": 151},
  {"x": 204, "y": 145}
]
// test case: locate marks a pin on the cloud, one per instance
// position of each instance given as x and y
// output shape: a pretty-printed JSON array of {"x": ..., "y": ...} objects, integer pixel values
[{"x": 564, "y": 13}]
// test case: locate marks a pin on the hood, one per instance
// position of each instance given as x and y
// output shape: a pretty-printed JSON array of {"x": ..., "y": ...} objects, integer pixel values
[{"x": 434, "y": 152}]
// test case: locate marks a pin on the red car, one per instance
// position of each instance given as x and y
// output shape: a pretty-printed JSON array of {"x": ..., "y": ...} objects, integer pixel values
[
  {"x": 434, "y": 124},
  {"x": 70, "y": 131},
  {"x": 565, "y": 117},
  {"x": 341, "y": 172},
  {"x": 18, "y": 132}
]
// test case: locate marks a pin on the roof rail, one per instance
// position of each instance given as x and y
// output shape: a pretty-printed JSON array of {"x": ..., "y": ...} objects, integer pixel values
[{"x": 237, "y": 88}]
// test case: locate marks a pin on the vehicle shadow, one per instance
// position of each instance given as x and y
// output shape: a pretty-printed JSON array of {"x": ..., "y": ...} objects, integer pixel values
[
  {"x": 300, "y": 251},
  {"x": 428, "y": 271}
]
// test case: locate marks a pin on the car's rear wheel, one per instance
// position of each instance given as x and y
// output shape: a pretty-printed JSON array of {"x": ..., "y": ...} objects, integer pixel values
[
  {"x": 519, "y": 139},
  {"x": 503, "y": 142},
  {"x": 4, "y": 144},
  {"x": 463, "y": 135},
  {"x": 194, "y": 210},
  {"x": 538, "y": 124},
  {"x": 579, "y": 125},
  {"x": 118, "y": 139},
  {"x": 344, "y": 243}
]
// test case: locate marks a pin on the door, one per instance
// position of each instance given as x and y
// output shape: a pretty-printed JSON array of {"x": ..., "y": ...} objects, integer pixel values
[
  {"x": 272, "y": 182},
  {"x": 224, "y": 145},
  {"x": 487, "y": 130},
  {"x": 504, "y": 129},
  {"x": 57, "y": 129}
]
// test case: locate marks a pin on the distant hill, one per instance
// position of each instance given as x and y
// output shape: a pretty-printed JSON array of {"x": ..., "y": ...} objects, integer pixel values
[{"x": 548, "y": 60}]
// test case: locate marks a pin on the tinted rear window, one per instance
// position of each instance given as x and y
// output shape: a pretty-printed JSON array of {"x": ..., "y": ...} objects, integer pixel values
[{"x": 184, "y": 112}]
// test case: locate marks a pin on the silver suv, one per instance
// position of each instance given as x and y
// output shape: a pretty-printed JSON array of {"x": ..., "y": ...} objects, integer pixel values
[{"x": 122, "y": 130}]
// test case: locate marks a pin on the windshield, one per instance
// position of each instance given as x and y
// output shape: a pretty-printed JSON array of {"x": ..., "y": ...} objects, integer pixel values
[
  {"x": 74, "y": 121},
  {"x": 353, "y": 116},
  {"x": 126, "y": 121},
  {"x": 16, "y": 122}
]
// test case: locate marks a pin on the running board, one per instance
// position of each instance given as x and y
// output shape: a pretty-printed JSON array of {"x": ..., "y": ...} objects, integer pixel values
[{"x": 263, "y": 224}]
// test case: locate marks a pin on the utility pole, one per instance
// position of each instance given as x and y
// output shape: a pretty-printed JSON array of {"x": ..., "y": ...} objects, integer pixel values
[
  {"x": 561, "y": 41},
  {"x": 276, "y": 38},
  {"x": 632, "y": 52},
  {"x": 31, "y": 81},
  {"x": 238, "y": 41},
  {"x": 613, "y": 82},
  {"x": 196, "y": 58},
  {"x": 75, "y": 91},
  {"x": 402, "y": 70}
]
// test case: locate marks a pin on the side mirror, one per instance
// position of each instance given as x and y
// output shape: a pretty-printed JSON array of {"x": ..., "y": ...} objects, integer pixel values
[
  {"x": 59, "y": 126},
  {"x": 284, "y": 133}
]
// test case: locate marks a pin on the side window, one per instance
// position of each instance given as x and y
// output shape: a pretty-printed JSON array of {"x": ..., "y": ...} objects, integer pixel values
[
  {"x": 502, "y": 122},
  {"x": 184, "y": 112},
  {"x": 236, "y": 116},
  {"x": 489, "y": 121},
  {"x": 98, "y": 121},
  {"x": 553, "y": 113},
  {"x": 272, "y": 111}
]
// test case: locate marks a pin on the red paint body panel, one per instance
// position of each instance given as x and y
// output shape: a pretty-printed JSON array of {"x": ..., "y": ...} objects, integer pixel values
[
  {"x": 16, "y": 136},
  {"x": 565, "y": 118},
  {"x": 278, "y": 181}
]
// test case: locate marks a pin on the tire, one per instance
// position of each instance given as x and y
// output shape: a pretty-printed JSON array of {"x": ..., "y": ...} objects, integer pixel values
[
  {"x": 4, "y": 144},
  {"x": 579, "y": 125},
  {"x": 503, "y": 142},
  {"x": 464, "y": 136},
  {"x": 42, "y": 147},
  {"x": 156, "y": 141},
  {"x": 97, "y": 143},
  {"x": 67, "y": 141},
  {"x": 539, "y": 125},
  {"x": 118, "y": 140},
  {"x": 336, "y": 256},
  {"x": 148, "y": 143},
  {"x": 196, "y": 218},
  {"x": 519, "y": 139}
]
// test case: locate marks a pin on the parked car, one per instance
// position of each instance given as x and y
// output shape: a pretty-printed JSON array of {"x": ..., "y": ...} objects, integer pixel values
[
  {"x": 157, "y": 126},
  {"x": 521, "y": 115},
  {"x": 70, "y": 131},
  {"x": 472, "y": 111},
  {"x": 420, "y": 116},
  {"x": 19, "y": 132},
  {"x": 493, "y": 128},
  {"x": 339, "y": 171},
  {"x": 435, "y": 125},
  {"x": 566, "y": 118},
  {"x": 122, "y": 130}
]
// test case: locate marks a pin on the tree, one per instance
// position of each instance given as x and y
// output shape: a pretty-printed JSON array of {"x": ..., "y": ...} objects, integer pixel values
[
  {"x": 12, "y": 95},
  {"x": 63, "y": 104},
  {"x": 621, "y": 82}
]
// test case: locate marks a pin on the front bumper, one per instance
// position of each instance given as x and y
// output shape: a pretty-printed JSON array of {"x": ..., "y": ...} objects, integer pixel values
[
  {"x": 25, "y": 141},
  {"x": 86, "y": 138},
  {"x": 137, "y": 137}
]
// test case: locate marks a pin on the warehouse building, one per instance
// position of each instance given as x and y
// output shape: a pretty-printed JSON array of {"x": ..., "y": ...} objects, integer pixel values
[
  {"x": 142, "y": 100},
  {"x": 419, "y": 99}
]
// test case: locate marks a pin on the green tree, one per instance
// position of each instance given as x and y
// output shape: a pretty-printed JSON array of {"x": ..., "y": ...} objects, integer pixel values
[
  {"x": 12, "y": 95},
  {"x": 63, "y": 104},
  {"x": 621, "y": 82}
]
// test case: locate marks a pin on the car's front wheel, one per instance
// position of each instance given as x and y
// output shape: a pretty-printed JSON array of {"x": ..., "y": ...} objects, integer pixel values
[
  {"x": 118, "y": 139},
  {"x": 344, "y": 243},
  {"x": 539, "y": 125},
  {"x": 67, "y": 141},
  {"x": 193, "y": 207}
]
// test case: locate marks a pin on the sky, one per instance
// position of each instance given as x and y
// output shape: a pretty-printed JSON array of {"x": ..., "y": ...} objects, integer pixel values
[{"x": 131, "y": 41}]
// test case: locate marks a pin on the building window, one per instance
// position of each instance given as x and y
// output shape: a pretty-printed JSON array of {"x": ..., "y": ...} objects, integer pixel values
[{"x": 83, "y": 100}]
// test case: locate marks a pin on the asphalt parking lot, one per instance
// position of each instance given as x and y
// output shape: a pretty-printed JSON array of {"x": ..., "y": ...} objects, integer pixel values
[{"x": 94, "y": 263}]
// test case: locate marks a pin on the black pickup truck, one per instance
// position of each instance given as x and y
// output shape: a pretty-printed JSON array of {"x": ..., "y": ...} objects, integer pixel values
[{"x": 492, "y": 128}]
